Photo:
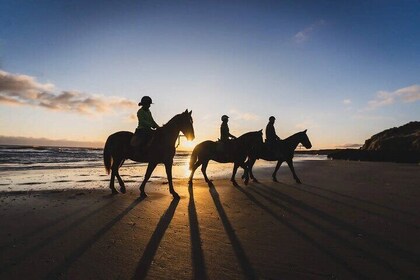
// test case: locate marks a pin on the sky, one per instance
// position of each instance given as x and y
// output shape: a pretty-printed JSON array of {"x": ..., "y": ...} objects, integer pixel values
[{"x": 75, "y": 70}]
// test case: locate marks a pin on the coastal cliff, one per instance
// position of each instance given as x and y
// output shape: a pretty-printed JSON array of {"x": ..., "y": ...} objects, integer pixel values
[{"x": 397, "y": 144}]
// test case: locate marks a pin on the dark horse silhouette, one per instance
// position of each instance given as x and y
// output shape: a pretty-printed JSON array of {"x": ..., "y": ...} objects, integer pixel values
[
  {"x": 240, "y": 149},
  {"x": 160, "y": 150},
  {"x": 284, "y": 151}
]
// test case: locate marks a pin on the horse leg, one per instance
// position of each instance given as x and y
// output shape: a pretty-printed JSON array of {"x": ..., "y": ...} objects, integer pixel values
[
  {"x": 246, "y": 174},
  {"x": 120, "y": 180},
  {"x": 235, "y": 168},
  {"x": 168, "y": 167},
  {"x": 114, "y": 173},
  {"x": 111, "y": 182},
  {"x": 196, "y": 165},
  {"x": 244, "y": 165},
  {"x": 250, "y": 166},
  {"x": 290, "y": 163},
  {"x": 149, "y": 171},
  {"x": 203, "y": 170},
  {"x": 275, "y": 170}
]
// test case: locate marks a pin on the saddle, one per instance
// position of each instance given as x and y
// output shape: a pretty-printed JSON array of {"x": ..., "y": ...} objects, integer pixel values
[
  {"x": 224, "y": 149},
  {"x": 141, "y": 141}
]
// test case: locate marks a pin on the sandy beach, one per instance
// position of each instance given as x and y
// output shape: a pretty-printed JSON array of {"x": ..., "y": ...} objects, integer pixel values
[{"x": 348, "y": 220}]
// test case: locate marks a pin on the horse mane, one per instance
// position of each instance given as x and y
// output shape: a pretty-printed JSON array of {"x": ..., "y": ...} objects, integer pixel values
[
  {"x": 173, "y": 119},
  {"x": 249, "y": 133},
  {"x": 293, "y": 136}
]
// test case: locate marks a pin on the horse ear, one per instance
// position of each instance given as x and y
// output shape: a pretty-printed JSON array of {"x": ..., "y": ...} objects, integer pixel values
[
  {"x": 190, "y": 112},
  {"x": 305, "y": 130},
  {"x": 260, "y": 130},
  {"x": 186, "y": 111}
]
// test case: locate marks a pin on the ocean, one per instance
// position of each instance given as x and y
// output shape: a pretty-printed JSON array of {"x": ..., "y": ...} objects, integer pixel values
[{"x": 26, "y": 168}]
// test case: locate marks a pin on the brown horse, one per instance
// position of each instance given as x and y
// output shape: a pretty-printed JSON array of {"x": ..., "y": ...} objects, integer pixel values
[
  {"x": 240, "y": 148},
  {"x": 160, "y": 150},
  {"x": 285, "y": 150}
]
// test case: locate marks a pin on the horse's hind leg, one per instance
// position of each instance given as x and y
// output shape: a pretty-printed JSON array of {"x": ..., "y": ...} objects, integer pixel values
[
  {"x": 275, "y": 170},
  {"x": 203, "y": 170},
  {"x": 250, "y": 166},
  {"x": 149, "y": 171},
  {"x": 290, "y": 163},
  {"x": 196, "y": 165},
  {"x": 120, "y": 180},
  {"x": 235, "y": 168},
  {"x": 244, "y": 165},
  {"x": 111, "y": 182}
]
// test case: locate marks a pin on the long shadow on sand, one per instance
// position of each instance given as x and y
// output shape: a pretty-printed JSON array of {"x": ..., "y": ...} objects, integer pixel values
[
  {"x": 363, "y": 200},
  {"x": 7, "y": 266},
  {"x": 372, "y": 238},
  {"x": 299, "y": 188},
  {"x": 342, "y": 261},
  {"x": 378, "y": 260},
  {"x": 37, "y": 230},
  {"x": 199, "y": 264},
  {"x": 63, "y": 267},
  {"x": 151, "y": 248},
  {"x": 245, "y": 264}
]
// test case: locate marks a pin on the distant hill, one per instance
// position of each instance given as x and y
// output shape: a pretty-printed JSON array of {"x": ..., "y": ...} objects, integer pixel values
[
  {"x": 398, "y": 144},
  {"x": 403, "y": 138}
]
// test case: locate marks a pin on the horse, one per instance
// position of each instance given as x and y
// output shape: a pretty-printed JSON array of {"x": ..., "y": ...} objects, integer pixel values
[
  {"x": 208, "y": 150},
  {"x": 161, "y": 149},
  {"x": 285, "y": 152}
]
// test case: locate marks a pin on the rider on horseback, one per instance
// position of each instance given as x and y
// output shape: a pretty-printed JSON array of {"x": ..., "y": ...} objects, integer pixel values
[
  {"x": 224, "y": 130},
  {"x": 225, "y": 138},
  {"x": 271, "y": 138},
  {"x": 146, "y": 123}
]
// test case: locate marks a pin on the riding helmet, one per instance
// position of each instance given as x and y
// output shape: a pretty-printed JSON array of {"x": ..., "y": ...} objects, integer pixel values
[
  {"x": 271, "y": 118},
  {"x": 145, "y": 100},
  {"x": 224, "y": 118}
]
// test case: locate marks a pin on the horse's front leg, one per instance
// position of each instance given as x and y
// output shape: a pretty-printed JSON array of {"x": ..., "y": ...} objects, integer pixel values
[
  {"x": 290, "y": 163},
  {"x": 146, "y": 178},
  {"x": 168, "y": 167},
  {"x": 275, "y": 170}
]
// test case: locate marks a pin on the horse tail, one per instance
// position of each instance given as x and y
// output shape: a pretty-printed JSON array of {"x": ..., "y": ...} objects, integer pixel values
[
  {"x": 107, "y": 155},
  {"x": 193, "y": 158}
]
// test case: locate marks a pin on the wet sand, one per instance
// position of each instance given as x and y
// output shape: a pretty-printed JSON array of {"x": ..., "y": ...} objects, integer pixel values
[{"x": 348, "y": 220}]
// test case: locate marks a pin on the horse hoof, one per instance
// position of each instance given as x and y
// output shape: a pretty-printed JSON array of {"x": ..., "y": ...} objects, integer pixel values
[
  {"x": 123, "y": 190},
  {"x": 114, "y": 191},
  {"x": 245, "y": 182},
  {"x": 143, "y": 195},
  {"x": 255, "y": 180},
  {"x": 298, "y": 181},
  {"x": 275, "y": 180},
  {"x": 176, "y": 195}
]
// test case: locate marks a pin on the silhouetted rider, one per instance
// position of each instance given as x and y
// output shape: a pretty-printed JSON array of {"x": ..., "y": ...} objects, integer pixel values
[
  {"x": 271, "y": 137},
  {"x": 145, "y": 123},
  {"x": 224, "y": 130}
]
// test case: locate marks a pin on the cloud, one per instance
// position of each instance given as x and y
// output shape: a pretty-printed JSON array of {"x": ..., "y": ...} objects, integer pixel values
[
  {"x": 383, "y": 98},
  {"x": 18, "y": 89},
  {"x": 237, "y": 115},
  {"x": 303, "y": 35},
  {"x": 347, "y": 101}
]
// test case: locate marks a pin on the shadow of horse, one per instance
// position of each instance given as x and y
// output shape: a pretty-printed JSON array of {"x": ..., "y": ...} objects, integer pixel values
[
  {"x": 284, "y": 151},
  {"x": 161, "y": 150},
  {"x": 241, "y": 148}
]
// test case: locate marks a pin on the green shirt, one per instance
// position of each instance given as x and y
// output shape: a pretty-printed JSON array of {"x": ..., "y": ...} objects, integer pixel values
[{"x": 145, "y": 119}]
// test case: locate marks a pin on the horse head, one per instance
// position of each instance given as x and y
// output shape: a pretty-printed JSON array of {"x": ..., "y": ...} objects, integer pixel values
[
  {"x": 186, "y": 125},
  {"x": 304, "y": 140}
]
